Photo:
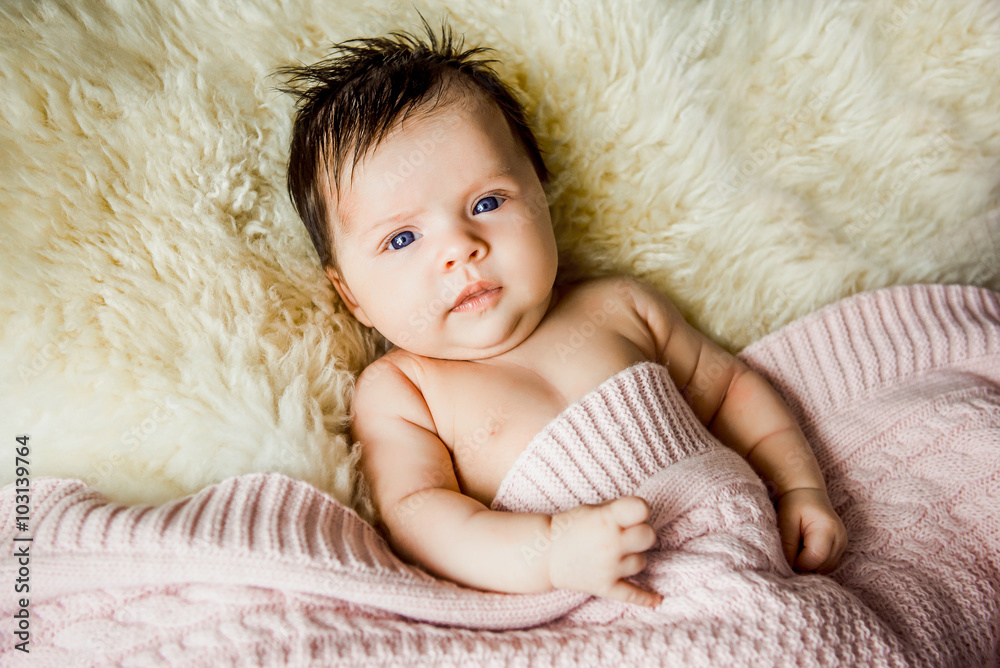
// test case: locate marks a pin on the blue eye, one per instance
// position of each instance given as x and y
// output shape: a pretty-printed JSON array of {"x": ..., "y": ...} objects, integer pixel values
[
  {"x": 490, "y": 203},
  {"x": 402, "y": 240}
]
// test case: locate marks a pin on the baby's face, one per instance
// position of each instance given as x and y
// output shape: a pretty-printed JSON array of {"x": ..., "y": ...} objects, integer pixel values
[{"x": 448, "y": 203}]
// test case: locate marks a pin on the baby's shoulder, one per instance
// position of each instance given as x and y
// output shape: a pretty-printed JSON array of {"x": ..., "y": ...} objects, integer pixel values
[
  {"x": 625, "y": 291},
  {"x": 391, "y": 384},
  {"x": 607, "y": 295},
  {"x": 618, "y": 303},
  {"x": 396, "y": 367}
]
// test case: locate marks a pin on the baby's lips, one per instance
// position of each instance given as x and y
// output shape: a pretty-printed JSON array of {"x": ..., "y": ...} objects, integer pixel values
[{"x": 472, "y": 288}]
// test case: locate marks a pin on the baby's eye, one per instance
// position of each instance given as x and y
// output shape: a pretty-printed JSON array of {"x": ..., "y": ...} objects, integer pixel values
[
  {"x": 402, "y": 240},
  {"x": 487, "y": 204}
]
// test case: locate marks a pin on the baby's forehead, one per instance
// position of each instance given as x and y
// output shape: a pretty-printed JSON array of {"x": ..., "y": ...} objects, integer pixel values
[
  {"x": 448, "y": 98},
  {"x": 423, "y": 130},
  {"x": 423, "y": 118}
]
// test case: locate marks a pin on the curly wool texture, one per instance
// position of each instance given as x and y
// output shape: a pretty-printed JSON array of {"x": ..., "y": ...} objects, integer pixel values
[{"x": 165, "y": 323}]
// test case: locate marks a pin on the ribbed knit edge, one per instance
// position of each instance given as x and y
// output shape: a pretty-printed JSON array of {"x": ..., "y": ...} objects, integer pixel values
[
  {"x": 605, "y": 445},
  {"x": 262, "y": 530},
  {"x": 871, "y": 341}
]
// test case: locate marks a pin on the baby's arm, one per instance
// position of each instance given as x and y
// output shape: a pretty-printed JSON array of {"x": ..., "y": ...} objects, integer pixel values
[
  {"x": 430, "y": 523},
  {"x": 744, "y": 412}
]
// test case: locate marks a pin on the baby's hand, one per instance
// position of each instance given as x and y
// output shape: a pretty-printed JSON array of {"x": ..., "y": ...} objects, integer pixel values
[
  {"x": 812, "y": 534},
  {"x": 595, "y": 547}
]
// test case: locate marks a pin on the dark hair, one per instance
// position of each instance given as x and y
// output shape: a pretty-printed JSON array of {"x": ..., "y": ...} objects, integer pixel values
[{"x": 349, "y": 102}]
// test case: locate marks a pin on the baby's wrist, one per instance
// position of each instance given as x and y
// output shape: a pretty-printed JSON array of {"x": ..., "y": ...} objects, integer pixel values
[
  {"x": 551, "y": 569},
  {"x": 798, "y": 488},
  {"x": 809, "y": 490},
  {"x": 800, "y": 473},
  {"x": 557, "y": 568},
  {"x": 563, "y": 551}
]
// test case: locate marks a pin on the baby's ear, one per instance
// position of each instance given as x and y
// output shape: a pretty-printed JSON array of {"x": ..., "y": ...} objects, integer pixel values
[{"x": 347, "y": 297}]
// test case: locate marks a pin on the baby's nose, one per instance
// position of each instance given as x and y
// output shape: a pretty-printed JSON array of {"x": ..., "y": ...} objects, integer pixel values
[
  {"x": 449, "y": 264},
  {"x": 468, "y": 248}
]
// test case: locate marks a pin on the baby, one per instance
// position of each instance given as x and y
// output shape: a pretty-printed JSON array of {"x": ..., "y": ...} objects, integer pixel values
[{"x": 421, "y": 185}]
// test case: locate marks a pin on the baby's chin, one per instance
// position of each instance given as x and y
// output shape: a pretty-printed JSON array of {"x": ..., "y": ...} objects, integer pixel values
[
  {"x": 468, "y": 348},
  {"x": 461, "y": 338},
  {"x": 460, "y": 353}
]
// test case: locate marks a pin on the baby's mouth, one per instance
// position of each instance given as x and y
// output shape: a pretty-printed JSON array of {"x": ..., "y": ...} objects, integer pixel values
[{"x": 477, "y": 295}]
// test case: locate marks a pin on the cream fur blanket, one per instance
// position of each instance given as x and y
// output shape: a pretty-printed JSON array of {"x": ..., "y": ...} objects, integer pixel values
[{"x": 164, "y": 323}]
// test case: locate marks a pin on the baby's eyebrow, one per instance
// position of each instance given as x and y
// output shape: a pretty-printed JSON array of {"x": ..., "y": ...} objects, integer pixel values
[
  {"x": 364, "y": 232},
  {"x": 394, "y": 219}
]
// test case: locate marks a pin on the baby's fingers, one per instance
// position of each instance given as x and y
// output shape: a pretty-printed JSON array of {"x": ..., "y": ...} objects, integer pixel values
[
  {"x": 821, "y": 552},
  {"x": 638, "y": 538},
  {"x": 789, "y": 528},
  {"x": 815, "y": 552},
  {"x": 629, "y": 510},
  {"x": 629, "y": 593},
  {"x": 630, "y": 565}
]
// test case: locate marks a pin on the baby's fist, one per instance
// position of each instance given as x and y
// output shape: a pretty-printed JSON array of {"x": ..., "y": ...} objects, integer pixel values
[{"x": 812, "y": 534}]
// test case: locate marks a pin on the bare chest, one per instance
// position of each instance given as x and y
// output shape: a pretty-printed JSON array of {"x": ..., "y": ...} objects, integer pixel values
[{"x": 486, "y": 414}]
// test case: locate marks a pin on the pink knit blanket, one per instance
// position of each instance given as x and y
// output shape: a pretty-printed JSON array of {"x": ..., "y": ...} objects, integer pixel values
[{"x": 898, "y": 391}]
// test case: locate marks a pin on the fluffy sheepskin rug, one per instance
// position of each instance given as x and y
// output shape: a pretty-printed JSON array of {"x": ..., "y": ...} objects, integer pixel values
[{"x": 165, "y": 323}]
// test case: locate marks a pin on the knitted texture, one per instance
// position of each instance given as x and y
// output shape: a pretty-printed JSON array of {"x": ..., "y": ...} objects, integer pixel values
[
  {"x": 714, "y": 522},
  {"x": 897, "y": 390},
  {"x": 604, "y": 446}
]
